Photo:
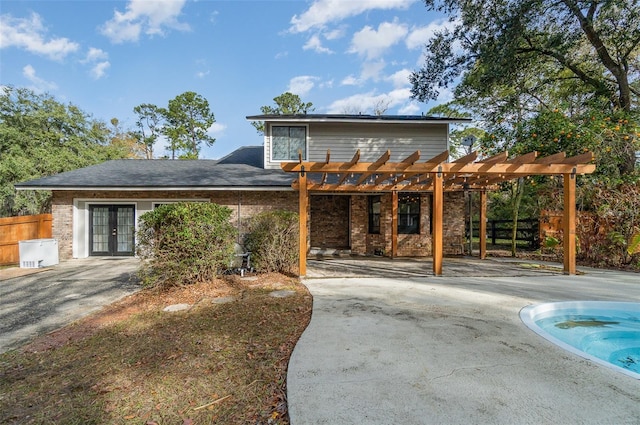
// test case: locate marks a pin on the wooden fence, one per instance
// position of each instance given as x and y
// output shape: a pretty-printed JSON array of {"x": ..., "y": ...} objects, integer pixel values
[
  {"x": 499, "y": 231},
  {"x": 16, "y": 229}
]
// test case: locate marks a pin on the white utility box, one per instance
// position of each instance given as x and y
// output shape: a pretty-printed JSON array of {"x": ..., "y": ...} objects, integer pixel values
[{"x": 37, "y": 253}]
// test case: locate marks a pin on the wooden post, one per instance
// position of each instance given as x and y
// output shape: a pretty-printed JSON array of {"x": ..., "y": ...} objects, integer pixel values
[
  {"x": 436, "y": 232},
  {"x": 483, "y": 225},
  {"x": 394, "y": 224},
  {"x": 303, "y": 208},
  {"x": 569, "y": 225}
]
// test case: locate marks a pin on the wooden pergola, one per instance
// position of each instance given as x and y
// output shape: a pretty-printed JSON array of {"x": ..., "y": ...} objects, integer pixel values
[{"x": 436, "y": 175}]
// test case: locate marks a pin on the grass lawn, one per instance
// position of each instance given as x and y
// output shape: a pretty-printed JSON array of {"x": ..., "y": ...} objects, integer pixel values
[{"x": 133, "y": 363}]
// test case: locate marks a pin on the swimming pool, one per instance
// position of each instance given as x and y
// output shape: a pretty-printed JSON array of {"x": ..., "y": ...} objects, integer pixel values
[{"x": 607, "y": 333}]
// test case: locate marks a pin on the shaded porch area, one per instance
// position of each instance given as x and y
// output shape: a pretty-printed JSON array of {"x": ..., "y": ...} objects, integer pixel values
[
  {"x": 435, "y": 176},
  {"x": 347, "y": 266}
]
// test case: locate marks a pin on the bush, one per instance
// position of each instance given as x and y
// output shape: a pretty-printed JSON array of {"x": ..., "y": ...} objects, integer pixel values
[
  {"x": 273, "y": 241},
  {"x": 184, "y": 243}
]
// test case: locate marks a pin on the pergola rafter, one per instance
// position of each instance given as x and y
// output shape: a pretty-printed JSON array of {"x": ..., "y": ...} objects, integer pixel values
[{"x": 436, "y": 175}]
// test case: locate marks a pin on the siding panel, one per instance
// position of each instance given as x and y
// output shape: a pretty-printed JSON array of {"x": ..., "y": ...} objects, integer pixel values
[{"x": 373, "y": 139}]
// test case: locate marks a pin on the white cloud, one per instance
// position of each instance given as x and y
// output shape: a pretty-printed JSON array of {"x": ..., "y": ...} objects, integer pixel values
[
  {"x": 30, "y": 34},
  {"x": 302, "y": 85},
  {"x": 368, "y": 71},
  {"x": 365, "y": 103},
  {"x": 419, "y": 36},
  {"x": 350, "y": 80},
  {"x": 373, "y": 43},
  {"x": 97, "y": 60},
  {"x": 411, "y": 108},
  {"x": 150, "y": 17},
  {"x": 95, "y": 54},
  {"x": 334, "y": 34},
  {"x": 314, "y": 43},
  {"x": 372, "y": 70},
  {"x": 202, "y": 74},
  {"x": 400, "y": 78},
  {"x": 445, "y": 95},
  {"x": 99, "y": 70},
  {"x": 281, "y": 55},
  {"x": 217, "y": 129},
  {"x": 322, "y": 12},
  {"x": 38, "y": 85}
]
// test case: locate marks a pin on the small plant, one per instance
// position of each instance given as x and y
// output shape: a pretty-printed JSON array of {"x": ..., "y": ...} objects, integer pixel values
[
  {"x": 273, "y": 241},
  {"x": 184, "y": 243}
]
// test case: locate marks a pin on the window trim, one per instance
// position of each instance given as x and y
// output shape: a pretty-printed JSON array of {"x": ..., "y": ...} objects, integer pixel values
[
  {"x": 370, "y": 214},
  {"x": 306, "y": 147},
  {"x": 418, "y": 214}
]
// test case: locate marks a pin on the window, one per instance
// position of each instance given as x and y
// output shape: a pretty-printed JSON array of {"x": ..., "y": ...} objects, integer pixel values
[
  {"x": 408, "y": 213},
  {"x": 286, "y": 141},
  {"x": 374, "y": 214}
]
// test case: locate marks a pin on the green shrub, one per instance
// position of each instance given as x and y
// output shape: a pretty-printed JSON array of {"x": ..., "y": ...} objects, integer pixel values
[
  {"x": 184, "y": 243},
  {"x": 273, "y": 241}
]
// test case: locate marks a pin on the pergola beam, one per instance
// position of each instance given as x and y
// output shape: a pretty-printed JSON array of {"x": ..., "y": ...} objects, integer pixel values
[
  {"x": 477, "y": 168},
  {"x": 437, "y": 176}
]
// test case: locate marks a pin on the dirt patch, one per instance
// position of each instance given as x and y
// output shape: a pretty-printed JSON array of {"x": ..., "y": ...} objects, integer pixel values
[{"x": 131, "y": 362}]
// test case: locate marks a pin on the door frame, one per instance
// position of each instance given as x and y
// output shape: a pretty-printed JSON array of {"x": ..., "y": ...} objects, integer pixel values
[{"x": 112, "y": 209}]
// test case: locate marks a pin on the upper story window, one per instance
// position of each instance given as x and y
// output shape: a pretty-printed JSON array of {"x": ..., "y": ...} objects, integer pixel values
[{"x": 286, "y": 141}]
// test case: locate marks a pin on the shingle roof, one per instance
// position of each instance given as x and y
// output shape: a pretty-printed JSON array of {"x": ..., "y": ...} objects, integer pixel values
[{"x": 240, "y": 169}]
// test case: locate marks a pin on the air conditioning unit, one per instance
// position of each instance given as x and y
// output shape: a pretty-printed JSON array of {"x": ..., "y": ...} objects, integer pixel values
[{"x": 36, "y": 253}]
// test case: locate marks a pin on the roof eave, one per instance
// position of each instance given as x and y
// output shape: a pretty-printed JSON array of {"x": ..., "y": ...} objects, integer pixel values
[
  {"x": 156, "y": 188},
  {"x": 372, "y": 120}
]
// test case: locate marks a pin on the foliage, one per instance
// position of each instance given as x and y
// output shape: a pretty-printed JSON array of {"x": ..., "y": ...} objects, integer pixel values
[
  {"x": 184, "y": 243},
  {"x": 285, "y": 104},
  {"x": 40, "y": 136},
  {"x": 150, "y": 125},
  {"x": 125, "y": 141},
  {"x": 273, "y": 241},
  {"x": 460, "y": 133},
  {"x": 610, "y": 233},
  {"x": 188, "y": 118},
  {"x": 516, "y": 59}
]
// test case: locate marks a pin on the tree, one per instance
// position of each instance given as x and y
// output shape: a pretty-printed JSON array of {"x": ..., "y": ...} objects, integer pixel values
[
  {"x": 150, "y": 125},
  {"x": 124, "y": 141},
  {"x": 188, "y": 118},
  {"x": 459, "y": 133},
  {"x": 40, "y": 136},
  {"x": 539, "y": 48},
  {"x": 285, "y": 104}
]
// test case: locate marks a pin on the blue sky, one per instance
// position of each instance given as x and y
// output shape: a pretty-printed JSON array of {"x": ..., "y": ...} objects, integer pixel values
[{"x": 106, "y": 57}]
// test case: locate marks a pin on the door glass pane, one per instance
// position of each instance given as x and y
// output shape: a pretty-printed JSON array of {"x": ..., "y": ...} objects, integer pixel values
[
  {"x": 125, "y": 226},
  {"x": 101, "y": 231}
]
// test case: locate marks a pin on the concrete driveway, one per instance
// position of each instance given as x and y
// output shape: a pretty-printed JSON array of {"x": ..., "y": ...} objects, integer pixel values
[
  {"x": 452, "y": 350},
  {"x": 40, "y": 302}
]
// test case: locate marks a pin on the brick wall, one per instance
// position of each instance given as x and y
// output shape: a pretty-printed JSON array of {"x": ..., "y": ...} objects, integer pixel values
[
  {"x": 62, "y": 223},
  {"x": 453, "y": 222},
  {"x": 330, "y": 232},
  {"x": 329, "y": 221},
  {"x": 416, "y": 245},
  {"x": 241, "y": 203}
]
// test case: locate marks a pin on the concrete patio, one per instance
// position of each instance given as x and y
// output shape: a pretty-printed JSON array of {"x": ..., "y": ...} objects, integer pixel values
[{"x": 394, "y": 345}]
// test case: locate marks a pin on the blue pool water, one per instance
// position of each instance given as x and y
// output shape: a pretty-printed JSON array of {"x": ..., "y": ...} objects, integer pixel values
[{"x": 607, "y": 333}]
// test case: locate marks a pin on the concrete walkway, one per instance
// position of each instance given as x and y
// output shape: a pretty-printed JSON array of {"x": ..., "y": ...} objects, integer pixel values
[
  {"x": 37, "y": 301},
  {"x": 452, "y": 350}
]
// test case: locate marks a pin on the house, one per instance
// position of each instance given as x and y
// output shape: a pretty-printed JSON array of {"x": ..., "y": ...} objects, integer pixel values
[
  {"x": 363, "y": 184},
  {"x": 95, "y": 209}
]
